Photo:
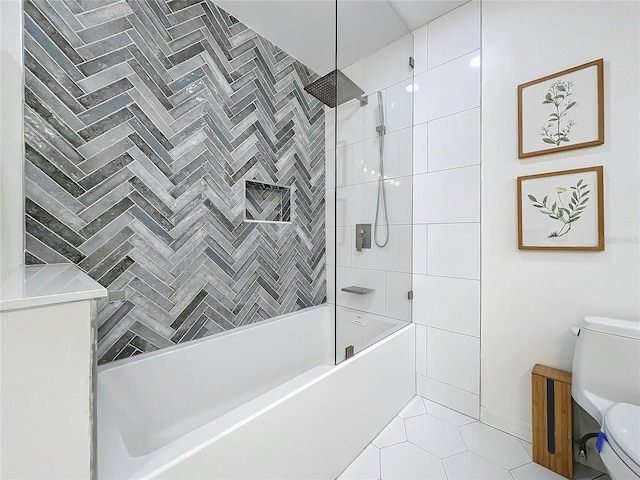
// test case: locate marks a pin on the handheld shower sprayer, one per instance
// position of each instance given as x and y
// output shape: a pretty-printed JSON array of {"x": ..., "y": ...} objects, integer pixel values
[{"x": 381, "y": 129}]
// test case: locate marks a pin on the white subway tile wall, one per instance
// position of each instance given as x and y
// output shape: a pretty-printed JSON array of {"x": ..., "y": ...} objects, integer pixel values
[{"x": 446, "y": 209}]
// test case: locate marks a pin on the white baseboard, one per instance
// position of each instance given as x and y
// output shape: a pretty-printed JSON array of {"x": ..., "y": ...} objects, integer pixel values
[{"x": 510, "y": 425}]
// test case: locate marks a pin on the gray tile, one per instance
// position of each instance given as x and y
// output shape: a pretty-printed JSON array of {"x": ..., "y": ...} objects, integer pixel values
[
  {"x": 111, "y": 59},
  {"x": 185, "y": 14},
  {"x": 101, "y": 111},
  {"x": 146, "y": 30},
  {"x": 104, "y": 14},
  {"x": 160, "y": 10},
  {"x": 186, "y": 53},
  {"x": 102, "y": 189},
  {"x": 105, "y": 156},
  {"x": 146, "y": 106},
  {"x": 152, "y": 54},
  {"x": 180, "y": 104},
  {"x": 103, "y": 173},
  {"x": 100, "y": 47},
  {"x": 120, "y": 345},
  {"x": 150, "y": 84},
  {"x": 151, "y": 336},
  {"x": 43, "y": 252},
  {"x": 64, "y": 13},
  {"x": 151, "y": 211},
  {"x": 40, "y": 194},
  {"x": 112, "y": 337},
  {"x": 184, "y": 29},
  {"x": 147, "y": 291},
  {"x": 48, "y": 98},
  {"x": 106, "y": 77},
  {"x": 151, "y": 176},
  {"x": 151, "y": 224},
  {"x": 112, "y": 244},
  {"x": 74, "y": 6},
  {"x": 185, "y": 67},
  {"x": 150, "y": 70},
  {"x": 53, "y": 147},
  {"x": 53, "y": 50},
  {"x": 158, "y": 148},
  {"x": 52, "y": 223},
  {"x": 46, "y": 236},
  {"x": 151, "y": 197},
  {"x": 105, "y": 218},
  {"x": 115, "y": 272},
  {"x": 149, "y": 127},
  {"x": 147, "y": 16},
  {"x": 33, "y": 157},
  {"x": 104, "y": 30},
  {"x": 103, "y": 94},
  {"x": 159, "y": 314},
  {"x": 152, "y": 280},
  {"x": 149, "y": 160},
  {"x": 112, "y": 229},
  {"x": 109, "y": 323},
  {"x": 61, "y": 129},
  {"x": 105, "y": 140}
]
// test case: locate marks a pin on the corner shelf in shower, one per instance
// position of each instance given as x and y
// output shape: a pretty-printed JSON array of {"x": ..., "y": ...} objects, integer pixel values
[{"x": 357, "y": 290}]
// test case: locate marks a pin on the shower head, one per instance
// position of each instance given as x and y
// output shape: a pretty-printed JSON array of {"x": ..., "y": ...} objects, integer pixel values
[{"x": 334, "y": 89}]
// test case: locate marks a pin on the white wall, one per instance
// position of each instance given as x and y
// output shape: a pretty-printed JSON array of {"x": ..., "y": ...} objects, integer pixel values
[
  {"x": 446, "y": 209},
  {"x": 11, "y": 157},
  {"x": 530, "y": 299}
]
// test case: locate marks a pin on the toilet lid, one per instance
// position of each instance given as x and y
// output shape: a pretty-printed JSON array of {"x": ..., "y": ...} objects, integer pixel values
[{"x": 622, "y": 427}]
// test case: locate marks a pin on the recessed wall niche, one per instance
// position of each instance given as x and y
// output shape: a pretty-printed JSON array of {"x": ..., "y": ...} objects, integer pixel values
[{"x": 265, "y": 202}]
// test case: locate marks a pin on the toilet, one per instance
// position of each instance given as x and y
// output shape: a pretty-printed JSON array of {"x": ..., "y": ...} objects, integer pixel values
[{"x": 606, "y": 383}]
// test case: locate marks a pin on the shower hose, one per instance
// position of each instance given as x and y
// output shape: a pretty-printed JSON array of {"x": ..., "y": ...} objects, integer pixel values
[{"x": 381, "y": 195}]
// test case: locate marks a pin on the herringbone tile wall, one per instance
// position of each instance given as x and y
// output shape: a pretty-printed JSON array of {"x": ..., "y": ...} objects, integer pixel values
[{"x": 143, "y": 119}]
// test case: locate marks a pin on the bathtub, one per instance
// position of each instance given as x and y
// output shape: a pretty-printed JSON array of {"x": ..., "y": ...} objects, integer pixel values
[{"x": 260, "y": 401}]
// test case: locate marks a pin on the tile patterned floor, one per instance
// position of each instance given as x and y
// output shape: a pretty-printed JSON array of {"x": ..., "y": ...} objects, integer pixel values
[{"x": 429, "y": 441}]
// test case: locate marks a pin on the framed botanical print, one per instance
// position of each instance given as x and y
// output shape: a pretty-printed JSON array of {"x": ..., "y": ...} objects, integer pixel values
[
  {"x": 561, "y": 111},
  {"x": 561, "y": 210}
]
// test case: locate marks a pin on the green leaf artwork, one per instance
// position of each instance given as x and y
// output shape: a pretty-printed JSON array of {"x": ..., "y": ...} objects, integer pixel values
[
  {"x": 567, "y": 213},
  {"x": 558, "y": 127}
]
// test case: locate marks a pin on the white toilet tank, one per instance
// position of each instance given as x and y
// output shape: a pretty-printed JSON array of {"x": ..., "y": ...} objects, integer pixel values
[{"x": 606, "y": 364}]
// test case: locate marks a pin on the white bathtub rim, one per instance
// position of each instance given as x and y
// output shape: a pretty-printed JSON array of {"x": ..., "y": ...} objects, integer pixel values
[
  {"x": 157, "y": 471},
  {"x": 191, "y": 343}
]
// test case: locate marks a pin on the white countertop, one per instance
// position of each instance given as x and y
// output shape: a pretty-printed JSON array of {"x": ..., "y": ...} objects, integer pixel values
[{"x": 37, "y": 285}]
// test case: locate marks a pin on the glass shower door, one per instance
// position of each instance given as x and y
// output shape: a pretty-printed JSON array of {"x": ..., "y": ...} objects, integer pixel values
[{"x": 372, "y": 184}]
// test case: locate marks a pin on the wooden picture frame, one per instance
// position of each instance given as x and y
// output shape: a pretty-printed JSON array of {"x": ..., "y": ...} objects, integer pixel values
[
  {"x": 561, "y": 210},
  {"x": 562, "y": 111}
]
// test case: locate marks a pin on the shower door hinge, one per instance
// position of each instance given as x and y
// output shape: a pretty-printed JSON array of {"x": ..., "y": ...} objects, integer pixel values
[
  {"x": 410, "y": 295},
  {"x": 412, "y": 62}
]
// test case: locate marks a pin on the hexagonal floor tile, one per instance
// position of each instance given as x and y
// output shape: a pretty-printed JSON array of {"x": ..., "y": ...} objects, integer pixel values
[
  {"x": 533, "y": 471},
  {"x": 469, "y": 466},
  {"x": 582, "y": 472},
  {"x": 527, "y": 446},
  {"x": 392, "y": 434},
  {"x": 494, "y": 445},
  {"x": 405, "y": 461},
  {"x": 413, "y": 408},
  {"x": 365, "y": 467},
  {"x": 446, "y": 414},
  {"x": 434, "y": 435}
]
